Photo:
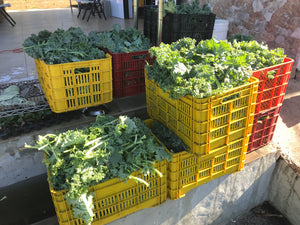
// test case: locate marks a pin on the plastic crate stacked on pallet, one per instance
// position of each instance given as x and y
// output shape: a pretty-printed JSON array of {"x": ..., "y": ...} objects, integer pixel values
[
  {"x": 176, "y": 26},
  {"x": 209, "y": 123},
  {"x": 77, "y": 85},
  {"x": 128, "y": 72},
  {"x": 187, "y": 171},
  {"x": 31, "y": 92},
  {"x": 264, "y": 125},
  {"x": 114, "y": 199},
  {"x": 216, "y": 130},
  {"x": 273, "y": 82}
]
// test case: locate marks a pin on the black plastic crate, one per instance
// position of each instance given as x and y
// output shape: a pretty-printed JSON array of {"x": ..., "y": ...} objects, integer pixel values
[
  {"x": 176, "y": 26},
  {"x": 147, "y": 19},
  {"x": 190, "y": 22},
  {"x": 174, "y": 36},
  {"x": 150, "y": 23}
]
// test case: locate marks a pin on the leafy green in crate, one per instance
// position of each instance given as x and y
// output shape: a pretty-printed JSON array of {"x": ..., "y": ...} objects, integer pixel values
[
  {"x": 168, "y": 138},
  {"x": 259, "y": 55},
  {"x": 61, "y": 46},
  {"x": 185, "y": 8},
  {"x": 240, "y": 37},
  {"x": 109, "y": 148},
  {"x": 209, "y": 67},
  {"x": 120, "y": 41}
]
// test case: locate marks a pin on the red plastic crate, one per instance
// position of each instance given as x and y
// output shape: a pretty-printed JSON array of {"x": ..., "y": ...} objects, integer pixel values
[
  {"x": 264, "y": 125},
  {"x": 271, "y": 91},
  {"x": 128, "y": 72}
]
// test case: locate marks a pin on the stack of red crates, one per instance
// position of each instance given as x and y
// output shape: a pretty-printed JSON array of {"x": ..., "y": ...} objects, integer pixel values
[
  {"x": 271, "y": 90},
  {"x": 128, "y": 72}
]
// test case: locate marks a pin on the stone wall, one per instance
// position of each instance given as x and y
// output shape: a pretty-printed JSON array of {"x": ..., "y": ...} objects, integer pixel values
[{"x": 274, "y": 22}]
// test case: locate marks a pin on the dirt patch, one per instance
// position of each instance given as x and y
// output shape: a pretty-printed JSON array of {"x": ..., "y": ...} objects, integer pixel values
[
  {"x": 293, "y": 165},
  {"x": 264, "y": 214}
]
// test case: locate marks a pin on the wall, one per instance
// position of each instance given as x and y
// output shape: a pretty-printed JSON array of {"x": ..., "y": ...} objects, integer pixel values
[
  {"x": 276, "y": 22},
  {"x": 215, "y": 202},
  {"x": 38, "y": 4},
  {"x": 285, "y": 191}
]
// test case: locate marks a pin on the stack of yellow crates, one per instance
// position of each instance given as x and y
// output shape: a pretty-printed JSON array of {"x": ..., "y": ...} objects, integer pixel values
[{"x": 216, "y": 130}]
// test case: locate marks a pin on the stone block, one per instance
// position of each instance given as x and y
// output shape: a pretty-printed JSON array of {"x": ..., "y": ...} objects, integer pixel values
[
  {"x": 268, "y": 37},
  {"x": 270, "y": 27},
  {"x": 259, "y": 16}
]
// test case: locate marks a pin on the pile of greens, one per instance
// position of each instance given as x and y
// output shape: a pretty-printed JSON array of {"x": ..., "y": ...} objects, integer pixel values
[
  {"x": 259, "y": 55},
  {"x": 120, "y": 41},
  {"x": 209, "y": 67},
  {"x": 61, "y": 46},
  {"x": 172, "y": 142},
  {"x": 110, "y": 148},
  {"x": 22, "y": 119},
  {"x": 194, "y": 8}
]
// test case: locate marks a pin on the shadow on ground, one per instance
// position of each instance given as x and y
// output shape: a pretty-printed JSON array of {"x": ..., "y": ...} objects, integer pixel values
[
  {"x": 289, "y": 112},
  {"x": 264, "y": 214}
]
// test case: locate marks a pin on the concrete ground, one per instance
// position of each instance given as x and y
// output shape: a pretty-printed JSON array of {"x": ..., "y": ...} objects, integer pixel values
[
  {"x": 17, "y": 66},
  {"x": 287, "y": 133}
]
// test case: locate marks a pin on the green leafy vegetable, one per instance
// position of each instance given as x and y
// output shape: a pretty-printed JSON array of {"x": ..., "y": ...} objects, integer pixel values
[
  {"x": 185, "y": 8},
  {"x": 209, "y": 67},
  {"x": 22, "y": 119},
  {"x": 61, "y": 46},
  {"x": 120, "y": 41},
  {"x": 240, "y": 37},
  {"x": 168, "y": 138},
  {"x": 259, "y": 55},
  {"x": 109, "y": 148}
]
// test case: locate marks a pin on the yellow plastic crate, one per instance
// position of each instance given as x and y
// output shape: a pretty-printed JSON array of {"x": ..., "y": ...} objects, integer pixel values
[
  {"x": 205, "y": 124},
  {"x": 115, "y": 199},
  {"x": 72, "y": 86},
  {"x": 187, "y": 171}
]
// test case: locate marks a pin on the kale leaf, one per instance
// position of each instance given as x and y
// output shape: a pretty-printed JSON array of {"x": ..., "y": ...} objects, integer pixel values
[
  {"x": 120, "y": 41},
  {"x": 209, "y": 67},
  {"x": 168, "y": 138},
  {"x": 61, "y": 46}
]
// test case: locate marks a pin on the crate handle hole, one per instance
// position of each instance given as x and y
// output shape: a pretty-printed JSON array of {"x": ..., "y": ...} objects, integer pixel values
[
  {"x": 139, "y": 56},
  {"x": 262, "y": 118},
  {"x": 231, "y": 97},
  {"x": 82, "y": 70}
]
